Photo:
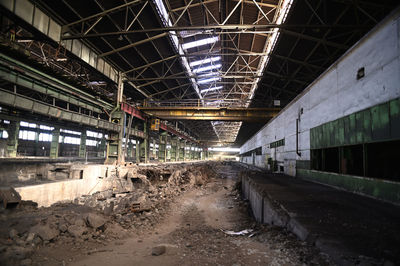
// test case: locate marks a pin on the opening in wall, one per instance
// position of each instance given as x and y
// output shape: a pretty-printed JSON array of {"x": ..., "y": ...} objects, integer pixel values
[
  {"x": 382, "y": 160},
  {"x": 331, "y": 160},
  {"x": 378, "y": 160},
  {"x": 352, "y": 160}
]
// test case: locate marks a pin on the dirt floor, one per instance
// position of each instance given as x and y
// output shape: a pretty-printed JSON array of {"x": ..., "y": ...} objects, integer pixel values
[{"x": 188, "y": 229}]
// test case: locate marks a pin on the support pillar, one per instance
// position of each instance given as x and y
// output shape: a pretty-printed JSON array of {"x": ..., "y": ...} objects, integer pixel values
[
  {"x": 102, "y": 147},
  {"x": 174, "y": 149},
  {"x": 137, "y": 150},
  {"x": 129, "y": 149},
  {"x": 144, "y": 147},
  {"x": 181, "y": 151},
  {"x": 162, "y": 148},
  {"x": 114, "y": 147},
  {"x": 54, "y": 146},
  {"x": 82, "y": 145},
  {"x": 12, "y": 142}
]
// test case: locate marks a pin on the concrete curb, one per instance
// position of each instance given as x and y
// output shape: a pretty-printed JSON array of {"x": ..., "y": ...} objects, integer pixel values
[{"x": 266, "y": 210}]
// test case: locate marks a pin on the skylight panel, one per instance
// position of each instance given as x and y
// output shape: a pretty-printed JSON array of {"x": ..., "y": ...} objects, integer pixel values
[
  {"x": 211, "y": 89},
  {"x": 204, "y": 81},
  {"x": 200, "y": 42},
  {"x": 210, "y": 67},
  {"x": 205, "y": 61}
]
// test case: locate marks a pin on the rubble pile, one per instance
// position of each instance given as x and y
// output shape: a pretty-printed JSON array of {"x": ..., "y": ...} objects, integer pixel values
[{"x": 137, "y": 201}]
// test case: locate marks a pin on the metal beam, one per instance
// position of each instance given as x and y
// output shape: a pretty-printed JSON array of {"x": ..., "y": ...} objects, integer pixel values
[
  {"x": 258, "y": 3},
  {"x": 193, "y": 5},
  {"x": 315, "y": 39},
  {"x": 217, "y": 28},
  {"x": 151, "y": 64},
  {"x": 212, "y": 113},
  {"x": 133, "y": 44},
  {"x": 100, "y": 14}
]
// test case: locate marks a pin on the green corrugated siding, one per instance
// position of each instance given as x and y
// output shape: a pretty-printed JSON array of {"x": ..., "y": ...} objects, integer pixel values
[{"x": 378, "y": 123}]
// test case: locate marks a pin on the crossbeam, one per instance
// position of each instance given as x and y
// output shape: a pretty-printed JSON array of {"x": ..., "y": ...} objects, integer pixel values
[
  {"x": 212, "y": 113},
  {"x": 216, "y": 28}
]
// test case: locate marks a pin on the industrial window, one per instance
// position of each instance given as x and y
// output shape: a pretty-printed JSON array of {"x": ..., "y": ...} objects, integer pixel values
[
  {"x": 94, "y": 134},
  {"x": 70, "y": 132},
  {"x": 277, "y": 143},
  {"x": 3, "y": 134},
  {"x": 27, "y": 135},
  {"x": 91, "y": 142},
  {"x": 72, "y": 140},
  {"x": 45, "y": 137},
  {"x": 26, "y": 124},
  {"x": 46, "y": 127}
]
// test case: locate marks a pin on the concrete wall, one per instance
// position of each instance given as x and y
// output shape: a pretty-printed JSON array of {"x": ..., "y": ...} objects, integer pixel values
[
  {"x": 46, "y": 194},
  {"x": 336, "y": 93}
]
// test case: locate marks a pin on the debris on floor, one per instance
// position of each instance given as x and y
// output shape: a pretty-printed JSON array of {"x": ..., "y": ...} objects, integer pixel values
[{"x": 239, "y": 233}]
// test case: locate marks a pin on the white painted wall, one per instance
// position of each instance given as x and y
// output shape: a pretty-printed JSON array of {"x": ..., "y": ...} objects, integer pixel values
[{"x": 337, "y": 93}]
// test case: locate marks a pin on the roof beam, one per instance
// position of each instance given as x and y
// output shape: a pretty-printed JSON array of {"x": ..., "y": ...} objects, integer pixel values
[
  {"x": 100, "y": 14},
  {"x": 193, "y": 5},
  {"x": 133, "y": 44},
  {"x": 218, "y": 28},
  {"x": 315, "y": 39},
  {"x": 212, "y": 113},
  {"x": 151, "y": 64},
  {"x": 258, "y": 3}
]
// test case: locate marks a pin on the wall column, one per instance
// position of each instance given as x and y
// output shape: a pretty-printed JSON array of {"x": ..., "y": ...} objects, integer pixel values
[
  {"x": 54, "y": 146},
  {"x": 82, "y": 145},
  {"x": 102, "y": 147},
  {"x": 12, "y": 142}
]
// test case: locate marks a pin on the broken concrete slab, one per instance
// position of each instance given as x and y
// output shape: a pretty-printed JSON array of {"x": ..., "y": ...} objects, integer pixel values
[
  {"x": 45, "y": 232},
  {"x": 9, "y": 196},
  {"x": 95, "y": 221}
]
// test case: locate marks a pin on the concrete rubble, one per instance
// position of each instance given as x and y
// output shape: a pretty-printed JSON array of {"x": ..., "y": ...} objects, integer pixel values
[{"x": 136, "y": 202}]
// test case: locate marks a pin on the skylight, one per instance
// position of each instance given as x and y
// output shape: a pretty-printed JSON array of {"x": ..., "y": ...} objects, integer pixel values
[
  {"x": 211, "y": 89},
  {"x": 200, "y": 42},
  {"x": 204, "y": 81},
  {"x": 210, "y": 67},
  {"x": 205, "y": 61}
]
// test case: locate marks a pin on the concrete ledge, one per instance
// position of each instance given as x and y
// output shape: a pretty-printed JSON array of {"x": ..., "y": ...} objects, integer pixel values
[
  {"x": 344, "y": 225},
  {"x": 382, "y": 189}
]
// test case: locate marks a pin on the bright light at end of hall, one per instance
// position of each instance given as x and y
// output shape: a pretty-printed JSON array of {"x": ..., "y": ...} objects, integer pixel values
[
  {"x": 205, "y": 61},
  {"x": 202, "y": 69},
  {"x": 211, "y": 89},
  {"x": 200, "y": 42}
]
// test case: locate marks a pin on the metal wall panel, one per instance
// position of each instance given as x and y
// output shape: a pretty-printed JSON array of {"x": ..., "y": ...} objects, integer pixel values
[
  {"x": 106, "y": 69},
  {"x": 9, "y": 4},
  {"x": 77, "y": 47},
  {"x": 100, "y": 65},
  {"x": 41, "y": 21},
  {"x": 37, "y": 18},
  {"x": 378, "y": 123},
  {"x": 24, "y": 9},
  {"x": 395, "y": 118},
  {"x": 85, "y": 53},
  {"x": 54, "y": 30}
]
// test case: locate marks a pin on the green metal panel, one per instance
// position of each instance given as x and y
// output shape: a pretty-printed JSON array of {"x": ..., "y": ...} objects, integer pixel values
[
  {"x": 395, "y": 118},
  {"x": 352, "y": 129},
  {"x": 367, "y": 133},
  {"x": 380, "y": 122},
  {"x": 341, "y": 134},
  {"x": 382, "y": 189},
  {"x": 312, "y": 138},
  {"x": 359, "y": 127}
]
